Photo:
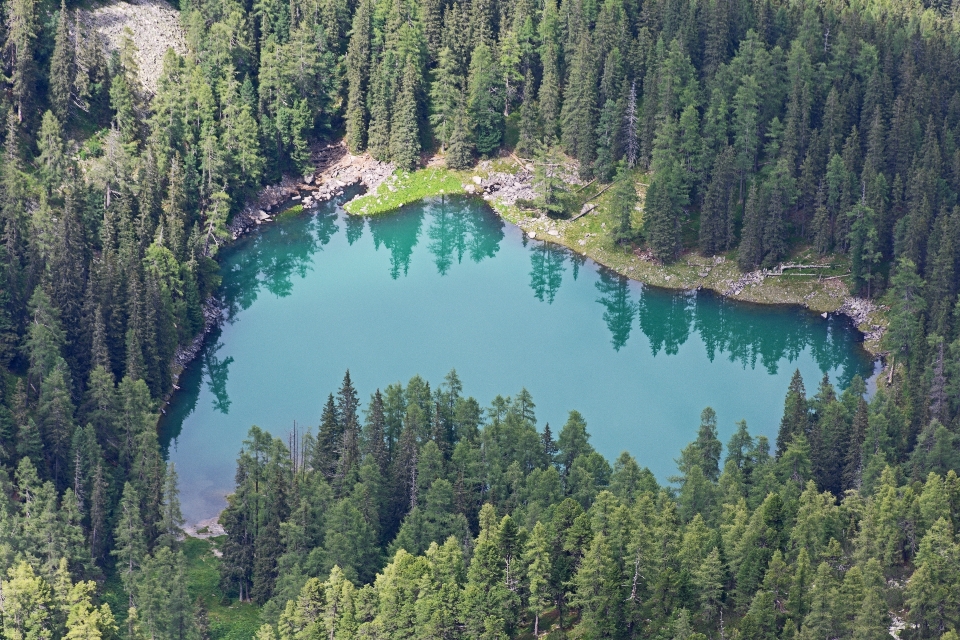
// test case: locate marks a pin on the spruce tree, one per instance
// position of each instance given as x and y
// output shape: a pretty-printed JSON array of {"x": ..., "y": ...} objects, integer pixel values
[
  {"x": 750, "y": 251},
  {"x": 404, "y": 128},
  {"x": 529, "y": 118},
  {"x": 445, "y": 93},
  {"x": 460, "y": 149},
  {"x": 485, "y": 101},
  {"x": 62, "y": 65},
  {"x": 717, "y": 211},
  {"x": 327, "y": 451},
  {"x": 358, "y": 77},
  {"x": 20, "y": 47},
  {"x": 129, "y": 544},
  {"x": 55, "y": 414},
  {"x": 796, "y": 415},
  {"x": 578, "y": 116}
]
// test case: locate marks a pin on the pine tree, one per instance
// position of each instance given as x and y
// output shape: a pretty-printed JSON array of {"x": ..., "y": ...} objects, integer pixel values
[
  {"x": 539, "y": 573},
  {"x": 596, "y": 591},
  {"x": 358, "y": 77},
  {"x": 928, "y": 594},
  {"x": 129, "y": 544},
  {"x": 28, "y": 604},
  {"x": 872, "y": 621},
  {"x": 863, "y": 241},
  {"x": 404, "y": 128},
  {"x": 746, "y": 138},
  {"x": 485, "y": 101},
  {"x": 62, "y": 65}
]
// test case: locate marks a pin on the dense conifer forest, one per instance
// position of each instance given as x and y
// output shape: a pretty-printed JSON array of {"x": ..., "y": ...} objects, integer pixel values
[{"x": 761, "y": 127}]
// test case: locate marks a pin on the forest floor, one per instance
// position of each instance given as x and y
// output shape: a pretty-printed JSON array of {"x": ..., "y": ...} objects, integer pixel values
[
  {"x": 227, "y": 619},
  {"x": 502, "y": 181}
]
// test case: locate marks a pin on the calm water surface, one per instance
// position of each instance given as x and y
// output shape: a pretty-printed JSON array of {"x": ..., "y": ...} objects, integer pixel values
[{"x": 447, "y": 284}]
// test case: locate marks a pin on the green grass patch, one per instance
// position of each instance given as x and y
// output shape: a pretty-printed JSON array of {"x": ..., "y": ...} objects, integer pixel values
[
  {"x": 228, "y": 619},
  {"x": 403, "y": 188},
  {"x": 295, "y": 210}
]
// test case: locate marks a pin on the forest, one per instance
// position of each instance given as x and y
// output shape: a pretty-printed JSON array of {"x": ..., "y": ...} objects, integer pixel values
[{"x": 760, "y": 128}]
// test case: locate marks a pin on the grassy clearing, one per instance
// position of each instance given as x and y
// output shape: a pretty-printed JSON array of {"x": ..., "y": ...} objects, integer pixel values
[
  {"x": 228, "y": 619},
  {"x": 404, "y": 188}
]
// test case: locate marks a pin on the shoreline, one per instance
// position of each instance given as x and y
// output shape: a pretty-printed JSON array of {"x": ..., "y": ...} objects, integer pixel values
[
  {"x": 501, "y": 182},
  {"x": 587, "y": 236},
  {"x": 388, "y": 191}
]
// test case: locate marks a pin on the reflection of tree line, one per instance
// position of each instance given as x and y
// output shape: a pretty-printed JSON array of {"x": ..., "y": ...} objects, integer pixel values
[
  {"x": 207, "y": 367},
  {"x": 458, "y": 227},
  {"x": 461, "y": 227},
  {"x": 749, "y": 334},
  {"x": 270, "y": 260}
]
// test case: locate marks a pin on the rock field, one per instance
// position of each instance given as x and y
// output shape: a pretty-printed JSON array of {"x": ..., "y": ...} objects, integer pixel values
[{"x": 154, "y": 25}]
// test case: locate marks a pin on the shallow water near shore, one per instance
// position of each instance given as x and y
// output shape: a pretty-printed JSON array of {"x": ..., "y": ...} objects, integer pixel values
[{"x": 446, "y": 284}]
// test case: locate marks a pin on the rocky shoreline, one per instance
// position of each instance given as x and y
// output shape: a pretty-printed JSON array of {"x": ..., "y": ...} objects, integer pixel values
[{"x": 338, "y": 169}]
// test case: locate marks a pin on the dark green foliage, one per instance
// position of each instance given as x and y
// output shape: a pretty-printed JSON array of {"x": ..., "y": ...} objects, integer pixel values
[
  {"x": 717, "y": 213},
  {"x": 485, "y": 101},
  {"x": 623, "y": 202},
  {"x": 404, "y": 128},
  {"x": 785, "y": 125}
]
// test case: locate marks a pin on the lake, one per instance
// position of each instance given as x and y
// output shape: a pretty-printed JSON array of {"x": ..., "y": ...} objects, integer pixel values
[{"x": 447, "y": 284}]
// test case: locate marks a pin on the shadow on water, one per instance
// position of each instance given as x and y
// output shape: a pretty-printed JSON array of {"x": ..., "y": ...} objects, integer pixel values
[
  {"x": 619, "y": 308},
  {"x": 749, "y": 334},
  {"x": 459, "y": 228}
]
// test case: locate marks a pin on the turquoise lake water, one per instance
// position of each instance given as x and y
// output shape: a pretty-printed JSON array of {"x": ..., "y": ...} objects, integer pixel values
[{"x": 447, "y": 284}]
